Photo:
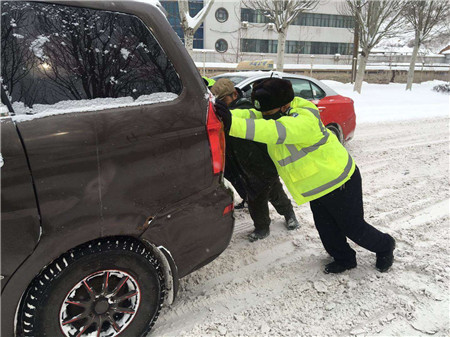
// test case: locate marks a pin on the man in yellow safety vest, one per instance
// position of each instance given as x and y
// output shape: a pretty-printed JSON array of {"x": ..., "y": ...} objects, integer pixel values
[{"x": 315, "y": 167}]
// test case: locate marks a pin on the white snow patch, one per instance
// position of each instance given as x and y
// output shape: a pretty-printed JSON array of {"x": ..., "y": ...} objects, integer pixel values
[
  {"x": 24, "y": 113},
  {"x": 113, "y": 80},
  {"x": 125, "y": 53},
  {"x": 37, "y": 46},
  {"x": 391, "y": 102}
]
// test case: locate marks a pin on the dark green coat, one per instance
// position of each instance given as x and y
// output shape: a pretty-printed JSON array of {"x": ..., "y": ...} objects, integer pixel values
[{"x": 249, "y": 159}]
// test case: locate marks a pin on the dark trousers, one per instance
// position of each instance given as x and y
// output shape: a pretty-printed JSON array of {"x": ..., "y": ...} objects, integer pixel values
[
  {"x": 232, "y": 175},
  {"x": 340, "y": 215},
  {"x": 258, "y": 205}
]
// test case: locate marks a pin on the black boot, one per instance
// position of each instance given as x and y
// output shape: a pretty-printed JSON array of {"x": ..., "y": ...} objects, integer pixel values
[
  {"x": 336, "y": 268},
  {"x": 258, "y": 234},
  {"x": 291, "y": 221},
  {"x": 385, "y": 260}
]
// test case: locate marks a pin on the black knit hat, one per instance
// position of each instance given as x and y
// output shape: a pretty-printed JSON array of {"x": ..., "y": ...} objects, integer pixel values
[{"x": 272, "y": 93}]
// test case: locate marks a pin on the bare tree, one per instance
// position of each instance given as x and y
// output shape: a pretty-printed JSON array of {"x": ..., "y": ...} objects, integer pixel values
[
  {"x": 190, "y": 24},
  {"x": 106, "y": 55},
  {"x": 16, "y": 60},
  {"x": 281, "y": 13},
  {"x": 428, "y": 18},
  {"x": 377, "y": 19}
]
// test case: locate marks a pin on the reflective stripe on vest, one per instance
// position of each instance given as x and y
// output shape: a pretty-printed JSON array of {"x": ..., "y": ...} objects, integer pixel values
[
  {"x": 252, "y": 114},
  {"x": 299, "y": 154},
  {"x": 250, "y": 132},
  {"x": 332, "y": 183},
  {"x": 281, "y": 132}
]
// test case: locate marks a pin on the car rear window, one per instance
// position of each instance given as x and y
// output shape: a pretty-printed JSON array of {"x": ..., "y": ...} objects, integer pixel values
[{"x": 53, "y": 55}]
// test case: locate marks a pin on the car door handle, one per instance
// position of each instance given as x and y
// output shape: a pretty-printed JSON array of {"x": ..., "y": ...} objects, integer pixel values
[{"x": 321, "y": 108}]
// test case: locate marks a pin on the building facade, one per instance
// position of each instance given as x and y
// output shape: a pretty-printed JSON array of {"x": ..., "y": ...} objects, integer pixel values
[{"x": 233, "y": 33}]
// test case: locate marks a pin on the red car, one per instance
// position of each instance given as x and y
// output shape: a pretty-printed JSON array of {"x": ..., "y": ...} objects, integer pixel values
[{"x": 336, "y": 111}]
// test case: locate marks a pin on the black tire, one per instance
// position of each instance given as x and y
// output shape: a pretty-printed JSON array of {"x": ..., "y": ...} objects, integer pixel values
[
  {"x": 115, "y": 284},
  {"x": 336, "y": 132}
]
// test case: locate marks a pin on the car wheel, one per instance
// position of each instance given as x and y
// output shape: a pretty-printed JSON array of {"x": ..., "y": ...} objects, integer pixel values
[
  {"x": 336, "y": 131},
  {"x": 105, "y": 288}
]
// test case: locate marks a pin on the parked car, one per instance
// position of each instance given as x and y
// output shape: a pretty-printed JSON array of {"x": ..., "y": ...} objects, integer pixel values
[
  {"x": 112, "y": 168},
  {"x": 337, "y": 112}
]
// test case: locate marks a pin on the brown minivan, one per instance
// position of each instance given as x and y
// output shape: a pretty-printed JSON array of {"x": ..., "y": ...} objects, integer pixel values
[{"x": 111, "y": 177}]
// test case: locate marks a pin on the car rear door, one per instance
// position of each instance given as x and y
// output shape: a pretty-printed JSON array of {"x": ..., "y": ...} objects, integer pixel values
[{"x": 20, "y": 229}]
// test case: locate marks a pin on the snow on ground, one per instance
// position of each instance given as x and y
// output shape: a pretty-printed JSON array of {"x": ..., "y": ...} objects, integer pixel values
[
  {"x": 276, "y": 287},
  {"x": 390, "y": 102}
]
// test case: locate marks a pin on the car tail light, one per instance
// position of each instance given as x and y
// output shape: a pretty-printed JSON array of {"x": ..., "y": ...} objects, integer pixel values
[
  {"x": 216, "y": 138},
  {"x": 228, "y": 209}
]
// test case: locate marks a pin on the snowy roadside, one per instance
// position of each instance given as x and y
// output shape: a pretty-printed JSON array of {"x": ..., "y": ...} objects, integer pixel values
[
  {"x": 391, "y": 102},
  {"x": 276, "y": 287}
]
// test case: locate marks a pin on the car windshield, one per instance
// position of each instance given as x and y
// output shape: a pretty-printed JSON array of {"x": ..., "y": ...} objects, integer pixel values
[{"x": 234, "y": 79}]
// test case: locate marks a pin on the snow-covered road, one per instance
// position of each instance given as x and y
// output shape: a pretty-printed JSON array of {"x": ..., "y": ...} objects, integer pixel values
[{"x": 276, "y": 287}]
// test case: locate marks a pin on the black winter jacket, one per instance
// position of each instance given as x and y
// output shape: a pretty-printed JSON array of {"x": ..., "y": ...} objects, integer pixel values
[{"x": 250, "y": 160}]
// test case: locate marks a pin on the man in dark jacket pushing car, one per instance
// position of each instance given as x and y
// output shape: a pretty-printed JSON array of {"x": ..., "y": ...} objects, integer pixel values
[{"x": 251, "y": 163}]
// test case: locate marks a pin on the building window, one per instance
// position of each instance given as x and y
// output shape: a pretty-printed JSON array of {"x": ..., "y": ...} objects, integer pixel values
[
  {"x": 296, "y": 47},
  {"x": 221, "y": 45},
  {"x": 303, "y": 19},
  {"x": 221, "y": 14},
  {"x": 254, "y": 16},
  {"x": 324, "y": 20},
  {"x": 259, "y": 46}
]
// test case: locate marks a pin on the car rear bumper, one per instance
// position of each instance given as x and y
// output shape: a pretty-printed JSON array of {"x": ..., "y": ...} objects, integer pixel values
[{"x": 195, "y": 230}]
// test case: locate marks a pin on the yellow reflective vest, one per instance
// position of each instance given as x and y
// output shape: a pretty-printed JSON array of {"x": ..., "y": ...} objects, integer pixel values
[
  {"x": 210, "y": 81},
  {"x": 309, "y": 158}
]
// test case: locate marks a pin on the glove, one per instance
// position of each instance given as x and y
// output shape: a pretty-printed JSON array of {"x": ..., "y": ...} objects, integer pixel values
[{"x": 224, "y": 114}]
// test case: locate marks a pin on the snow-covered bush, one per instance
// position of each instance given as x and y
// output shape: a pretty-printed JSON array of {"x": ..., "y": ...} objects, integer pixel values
[{"x": 444, "y": 88}]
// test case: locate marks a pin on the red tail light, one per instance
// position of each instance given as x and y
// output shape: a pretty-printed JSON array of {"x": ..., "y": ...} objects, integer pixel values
[
  {"x": 216, "y": 137},
  {"x": 228, "y": 209}
]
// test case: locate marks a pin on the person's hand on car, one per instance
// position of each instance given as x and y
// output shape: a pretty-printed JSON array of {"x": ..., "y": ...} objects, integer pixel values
[{"x": 224, "y": 114}]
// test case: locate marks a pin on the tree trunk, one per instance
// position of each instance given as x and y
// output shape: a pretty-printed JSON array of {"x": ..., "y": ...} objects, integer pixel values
[
  {"x": 189, "y": 41},
  {"x": 280, "y": 52},
  {"x": 361, "y": 71},
  {"x": 412, "y": 64}
]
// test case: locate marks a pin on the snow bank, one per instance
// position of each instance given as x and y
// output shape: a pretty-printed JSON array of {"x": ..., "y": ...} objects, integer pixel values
[{"x": 391, "y": 102}]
